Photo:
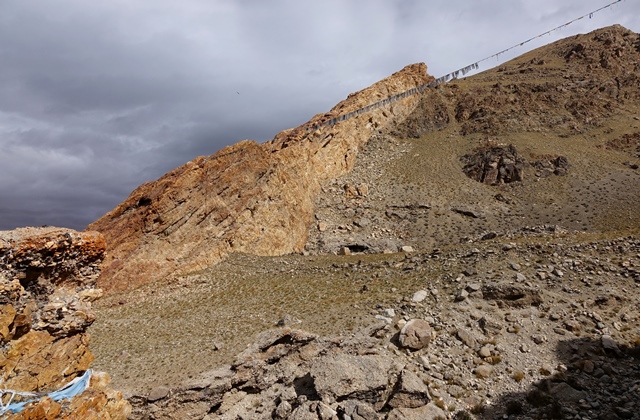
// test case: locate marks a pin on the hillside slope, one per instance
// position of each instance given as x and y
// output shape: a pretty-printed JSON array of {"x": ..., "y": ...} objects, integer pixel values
[
  {"x": 575, "y": 100},
  {"x": 562, "y": 122},
  {"x": 249, "y": 197}
]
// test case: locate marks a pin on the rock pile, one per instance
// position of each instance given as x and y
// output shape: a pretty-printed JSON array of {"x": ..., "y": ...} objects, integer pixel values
[
  {"x": 292, "y": 374},
  {"x": 47, "y": 284},
  {"x": 494, "y": 165}
]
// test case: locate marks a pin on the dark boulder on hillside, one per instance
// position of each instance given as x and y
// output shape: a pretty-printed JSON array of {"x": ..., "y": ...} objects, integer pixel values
[{"x": 494, "y": 165}]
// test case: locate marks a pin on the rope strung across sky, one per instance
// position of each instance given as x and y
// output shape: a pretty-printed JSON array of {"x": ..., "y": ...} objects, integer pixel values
[{"x": 447, "y": 77}]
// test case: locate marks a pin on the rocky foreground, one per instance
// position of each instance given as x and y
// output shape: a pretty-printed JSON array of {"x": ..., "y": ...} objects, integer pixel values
[
  {"x": 539, "y": 323},
  {"x": 47, "y": 284}
]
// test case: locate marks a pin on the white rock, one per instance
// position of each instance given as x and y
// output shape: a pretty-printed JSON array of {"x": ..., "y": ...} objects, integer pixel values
[{"x": 419, "y": 296}]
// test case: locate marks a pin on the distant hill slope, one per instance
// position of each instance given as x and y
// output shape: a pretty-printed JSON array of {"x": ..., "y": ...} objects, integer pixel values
[{"x": 570, "y": 109}]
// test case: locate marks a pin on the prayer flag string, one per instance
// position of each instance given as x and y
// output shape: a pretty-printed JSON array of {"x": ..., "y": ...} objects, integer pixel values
[{"x": 447, "y": 77}]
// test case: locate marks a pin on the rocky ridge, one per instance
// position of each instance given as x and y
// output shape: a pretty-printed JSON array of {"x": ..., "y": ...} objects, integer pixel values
[
  {"x": 248, "y": 197},
  {"x": 47, "y": 283},
  {"x": 547, "y": 135}
]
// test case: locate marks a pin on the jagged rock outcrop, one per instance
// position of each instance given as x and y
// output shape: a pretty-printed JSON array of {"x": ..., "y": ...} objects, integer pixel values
[
  {"x": 292, "y": 374},
  {"x": 47, "y": 284},
  {"x": 249, "y": 197},
  {"x": 494, "y": 164}
]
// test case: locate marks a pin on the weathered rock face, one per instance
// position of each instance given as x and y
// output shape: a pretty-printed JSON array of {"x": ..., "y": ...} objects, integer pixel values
[
  {"x": 47, "y": 284},
  {"x": 494, "y": 165},
  {"x": 297, "y": 375},
  {"x": 248, "y": 197}
]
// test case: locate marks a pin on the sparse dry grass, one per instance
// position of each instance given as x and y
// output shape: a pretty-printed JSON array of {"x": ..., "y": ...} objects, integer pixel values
[{"x": 166, "y": 332}]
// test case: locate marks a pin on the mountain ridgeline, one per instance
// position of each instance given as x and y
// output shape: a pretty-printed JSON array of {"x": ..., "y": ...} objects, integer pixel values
[{"x": 549, "y": 138}]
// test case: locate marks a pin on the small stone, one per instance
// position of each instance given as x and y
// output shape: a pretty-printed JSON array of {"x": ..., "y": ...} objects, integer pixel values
[
  {"x": 467, "y": 338},
  {"x": 546, "y": 370},
  {"x": 557, "y": 272},
  {"x": 485, "y": 351},
  {"x": 470, "y": 271},
  {"x": 158, "y": 394},
  {"x": 344, "y": 251},
  {"x": 588, "y": 366},
  {"x": 524, "y": 348},
  {"x": 406, "y": 249},
  {"x": 520, "y": 277},
  {"x": 462, "y": 295},
  {"x": 322, "y": 226},
  {"x": 538, "y": 339},
  {"x": 608, "y": 344},
  {"x": 283, "y": 410},
  {"x": 363, "y": 189},
  {"x": 565, "y": 392},
  {"x": 572, "y": 325},
  {"x": 473, "y": 287},
  {"x": 419, "y": 296},
  {"x": 384, "y": 318},
  {"x": 415, "y": 335},
  {"x": 410, "y": 391},
  {"x": 515, "y": 266},
  {"x": 389, "y": 312},
  {"x": 287, "y": 321}
]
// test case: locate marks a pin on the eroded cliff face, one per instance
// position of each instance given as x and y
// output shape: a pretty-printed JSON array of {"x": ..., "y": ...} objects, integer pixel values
[
  {"x": 249, "y": 197},
  {"x": 47, "y": 284}
]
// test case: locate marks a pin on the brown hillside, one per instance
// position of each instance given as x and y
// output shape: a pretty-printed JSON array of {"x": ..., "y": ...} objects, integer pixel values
[
  {"x": 571, "y": 100},
  {"x": 562, "y": 121},
  {"x": 249, "y": 197}
]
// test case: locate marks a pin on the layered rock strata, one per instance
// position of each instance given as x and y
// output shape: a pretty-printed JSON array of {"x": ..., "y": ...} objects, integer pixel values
[
  {"x": 249, "y": 197},
  {"x": 47, "y": 283}
]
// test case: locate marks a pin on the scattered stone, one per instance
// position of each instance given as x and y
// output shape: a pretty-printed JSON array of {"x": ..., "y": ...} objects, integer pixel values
[
  {"x": 494, "y": 165},
  {"x": 428, "y": 412},
  {"x": 344, "y": 251},
  {"x": 572, "y": 325},
  {"x": 470, "y": 271},
  {"x": 546, "y": 369},
  {"x": 288, "y": 321},
  {"x": 490, "y": 326},
  {"x": 467, "y": 338},
  {"x": 357, "y": 410},
  {"x": 389, "y": 313},
  {"x": 158, "y": 393},
  {"x": 283, "y": 410},
  {"x": 461, "y": 295},
  {"x": 415, "y": 335},
  {"x": 608, "y": 344},
  {"x": 511, "y": 295},
  {"x": 485, "y": 351},
  {"x": 419, "y": 296},
  {"x": 362, "y": 189},
  {"x": 565, "y": 392},
  {"x": 406, "y": 249}
]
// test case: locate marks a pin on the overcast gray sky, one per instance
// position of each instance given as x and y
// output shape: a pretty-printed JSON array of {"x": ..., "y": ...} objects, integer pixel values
[{"x": 99, "y": 97}]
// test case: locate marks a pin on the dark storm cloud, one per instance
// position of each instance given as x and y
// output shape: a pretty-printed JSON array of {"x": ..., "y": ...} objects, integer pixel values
[{"x": 99, "y": 97}]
